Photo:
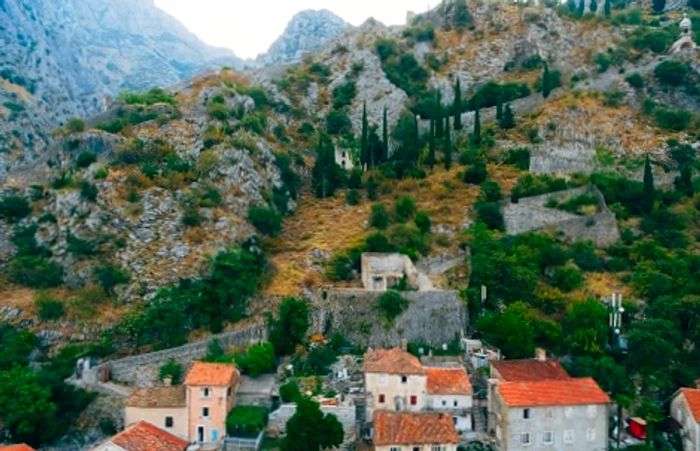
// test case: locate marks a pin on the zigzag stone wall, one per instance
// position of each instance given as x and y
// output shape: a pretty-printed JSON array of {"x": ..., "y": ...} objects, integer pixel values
[{"x": 433, "y": 317}]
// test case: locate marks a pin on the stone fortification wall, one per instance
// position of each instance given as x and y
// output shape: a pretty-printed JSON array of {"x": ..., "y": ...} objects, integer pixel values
[
  {"x": 433, "y": 317},
  {"x": 142, "y": 370}
]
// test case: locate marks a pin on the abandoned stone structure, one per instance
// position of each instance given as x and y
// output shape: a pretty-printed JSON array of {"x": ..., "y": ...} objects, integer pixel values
[
  {"x": 381, "y": 272},
  {"x": 534, "y": 214},
  {"x": 685, "y": 41}
]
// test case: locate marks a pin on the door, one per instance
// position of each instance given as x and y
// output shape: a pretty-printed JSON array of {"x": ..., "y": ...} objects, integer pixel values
[
  {"x": 200, "y": 434},
  {"x": 214, "y": 435}
]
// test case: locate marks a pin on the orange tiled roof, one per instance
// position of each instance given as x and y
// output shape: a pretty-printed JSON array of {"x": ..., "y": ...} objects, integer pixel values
[
  {"x": 564, "y": 392},
  {"x": 205, "y": 373},
  {"x": 404, "y": 428},
  {"x": 530, "y": 370},
  {"x": 692, "y": 397},
  {"x": 392, "y": 361},
  {"x": 157, "y": 397},
  {"x": 17, "y": 447},
  {"x": 448, "y": 381},
  {"x": 144, "y": 436}
]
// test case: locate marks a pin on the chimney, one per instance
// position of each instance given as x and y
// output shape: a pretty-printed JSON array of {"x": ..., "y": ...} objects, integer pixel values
[
  {"x": 168, "y": 381},
  {"x": 404, "y": 345},
  {"x": 540, "y": 355}
]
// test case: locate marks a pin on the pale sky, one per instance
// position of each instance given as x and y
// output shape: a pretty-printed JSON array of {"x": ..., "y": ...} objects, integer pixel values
[{"x": 249, "y": 27}]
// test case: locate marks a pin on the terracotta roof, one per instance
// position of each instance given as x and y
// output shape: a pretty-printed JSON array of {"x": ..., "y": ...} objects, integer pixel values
[
  {"x": 404, "y": 428},
  {"x": 17, "y": 447},
  {"x": 157, "y": 397},
  {"x": 392, "y": 361},
  {"x": 143, "y": 436},
  {"x": 448, "y": 381},
  {"x": 565, "y": 392},
  {"x": 204, "y": 373},
  {"x": 692, "y": 397},
  {"x": 530, "y": 370}
]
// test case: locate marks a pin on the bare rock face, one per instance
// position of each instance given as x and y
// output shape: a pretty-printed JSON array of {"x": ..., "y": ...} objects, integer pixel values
[
  {"x": 307, "y": 31},
  {"x": 64, "y": 59}
]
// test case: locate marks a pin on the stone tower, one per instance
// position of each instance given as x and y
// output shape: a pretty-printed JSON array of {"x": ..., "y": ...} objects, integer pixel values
[{"x": 685, "y": 41}]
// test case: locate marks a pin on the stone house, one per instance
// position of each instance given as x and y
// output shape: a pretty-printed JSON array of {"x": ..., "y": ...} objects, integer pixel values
[
  {"x": 685, "y": 409},
  {"x": 409, "y": 431},
  {"x": 381, "y": 272},
  {"x": 565, "y": 414},
  {"x": 195, "y": 411},
  {"x": 343, "y": 159},
  {"x": 394, "y": 380},
  {"x": 450, "y": 391},
  {"x": 143, "y": 436}
]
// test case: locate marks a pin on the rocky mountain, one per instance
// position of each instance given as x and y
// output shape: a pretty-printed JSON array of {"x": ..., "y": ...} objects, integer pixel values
[
  {"x": 64, "y": 59},
  {"x": 306, "y": 32}
]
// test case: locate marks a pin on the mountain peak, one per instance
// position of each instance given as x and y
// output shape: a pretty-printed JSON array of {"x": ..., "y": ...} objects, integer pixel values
[{"x": 307, "y": 31}]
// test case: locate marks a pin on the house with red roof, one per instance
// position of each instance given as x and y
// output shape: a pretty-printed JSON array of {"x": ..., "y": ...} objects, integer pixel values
[
  {"x": 414, "y": 431},
  {"x": 450, "y": 391},
  {"x": 17, "y": 447},
  {"x": 685, "y": 409},
  {"x": 194, "y": 411},
  {"x": 143, "y": 436}
]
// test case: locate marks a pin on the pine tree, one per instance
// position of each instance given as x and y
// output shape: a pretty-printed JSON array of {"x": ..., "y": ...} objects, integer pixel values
[
  {"x": 430, "y": 161},
  {"x": 385, "y": 137},
  {"x": 546, "y": 81},
  {"x": 462, "y": 16},
  {"x": 457, "y": 105},
  {"x": 593, "y": 6},
  {"x": 649, "y": 193},
  {"x": 507, "y": 119},
  {"x": 476, "y": 134},
  {"x": 607, "y": 7},
  {"x": 437, "y": 113},
  {"x": 447, "y": 149},
  {"x": 364, "y": 142},
  {"x": 581, "y": 8}
]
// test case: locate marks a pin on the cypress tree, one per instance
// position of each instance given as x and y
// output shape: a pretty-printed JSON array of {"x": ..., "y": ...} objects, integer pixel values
[
  {"x": 431, "y": 145},
  {"x": 581, "y": 8},
  {"x": 649, "y": 193},
  {"x": 593, "y": 6},
  {"x": 438, "y": 115},
  {"x": 571, "y": 4},
  {"x": 507, "y": 119},
  {"x": 476, "y": 134},
  {"x": 326, "y": 175},
  {"x": 416, "y": 140},
  {"x": 499, "y": 110},
  {"x": 385, "y": 138},
  {"x": 658, "y": 6},
  {"x": 457, "y": 105},
  {"x": 546, "y": 83},
  {"x": 364, "y": 141},
  {"x": 607, "y": 8},
  {"x": 447, "y": 149}
]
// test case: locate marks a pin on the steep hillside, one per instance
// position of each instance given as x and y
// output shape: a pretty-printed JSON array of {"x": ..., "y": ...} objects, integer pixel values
[{"x": 64, "y": 59}]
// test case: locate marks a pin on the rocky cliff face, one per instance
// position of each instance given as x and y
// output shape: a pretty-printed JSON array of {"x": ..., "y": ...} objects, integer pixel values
[
  {"x": 306, "y": 32},
  {"x": 63, "y": 59}
]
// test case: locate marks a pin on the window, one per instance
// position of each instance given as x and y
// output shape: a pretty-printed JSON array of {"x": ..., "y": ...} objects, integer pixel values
[
  {"x": 228, "y": 392},
  {"x": 395, "y": 448},
  {"x": 548, "y": 437},
  {"x": 569, "y": 436},
  {"x": 437, "y": 448},
  {"x": 525, "y": 438},
  {"x": 381, "y": 398},
  {"x": 205, "y": 392},
  {"x": 456, "y": 403},
  {"x": 205, "y": 411},
  {"x": 590, "y": 434},
  {"x": 414, "y": 400},
  {"x": 168, "y": 422},
  {"x": 526, "y": 414},
  {"x": 444, "y": 403},
  {"x": 404, "y": 379}
]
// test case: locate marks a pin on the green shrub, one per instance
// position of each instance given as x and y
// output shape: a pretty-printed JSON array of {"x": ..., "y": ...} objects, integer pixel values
[
  {"x": 635, "y": 80},
  {"x": 655, "y": 39},
  {"x": 476, "y": 173},
  {"x": 88, "y": 191},
  {"x": 246, "y": 421},
  {"x": 423, "y": 222},
  {"x": 491, "y": 93},
  {"x": 379, "y": 218},
  {"x": 150, "y": 97},
  {"x": 48, "y": 308},
  {"x": 672, "y": 73},
  {"x": 518, "y": 157},
  {"x": 289, "y": 392},
  {"x": 75, "y": 125},
  {"x": 258, "y": 359},
  {"x": 338, "y": 122},
  {"x": 190, "y": 211},
  {"x": 266, "y": 220},
  {"x": 13, "y": 208},
  {"x": 533, "y": 185},
  {"x": 343, "y": 265},
  {"x": 109, "y": 276},
  {"x": 35, "y": 272},
  {"x": 85, "y": 159},
  {"x": 401, "y": 67},
  {"x": 344, "y": 94},
  {"x": 352, "y": 197},
  {"x": 390, "y": 305},
  {"x": 171, "y": 369},
  {"x": 404, "y": 208},
  {"x": 567, "y": 278},
  {"x": 24, "y": 238},
  {"x": 490, "y": 191},
  {"x": 490, "y": 214},
  {"x": 409, "y": 240},
  {"x": 79, "y": 247},
  {"x": 674, "y": 120}
]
